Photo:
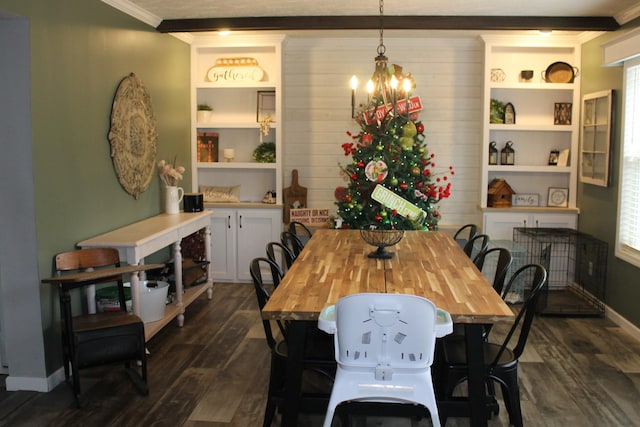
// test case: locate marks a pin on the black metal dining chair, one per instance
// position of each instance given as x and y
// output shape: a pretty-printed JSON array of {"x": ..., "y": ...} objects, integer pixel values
[
  {"x": 300, "y": 230},
  {"x": 465, "y": 233},
  {"x": 476, "y": 245},
  {"x": 319, "y": 357},
  {"x": 501, "y": 360},
  {"x": 503, "y": 261},
  {"x": 277, "y": 250},
  {"x": 292, "y": 242}
]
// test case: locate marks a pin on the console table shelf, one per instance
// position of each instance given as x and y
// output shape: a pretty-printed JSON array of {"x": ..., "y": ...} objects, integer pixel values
[{"x": 139, "y": 240}]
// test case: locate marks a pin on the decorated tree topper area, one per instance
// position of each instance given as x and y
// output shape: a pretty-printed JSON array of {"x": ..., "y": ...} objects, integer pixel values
[{"x": 392, "y": 178}]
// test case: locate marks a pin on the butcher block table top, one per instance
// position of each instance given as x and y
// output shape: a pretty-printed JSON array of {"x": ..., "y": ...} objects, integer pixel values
[{"x": 334, "y": 264}]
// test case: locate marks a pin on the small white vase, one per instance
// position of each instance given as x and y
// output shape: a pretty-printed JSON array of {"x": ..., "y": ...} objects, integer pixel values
[{"x": 173, "y": 197}]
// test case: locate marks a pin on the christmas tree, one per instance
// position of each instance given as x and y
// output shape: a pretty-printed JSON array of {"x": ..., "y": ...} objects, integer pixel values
[{"x": 392, "y": 181}]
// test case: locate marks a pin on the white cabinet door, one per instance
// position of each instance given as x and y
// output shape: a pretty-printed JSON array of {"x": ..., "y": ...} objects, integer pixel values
[
  {"x": 256, "y": 228},
  {"x": 237, "y": 237},
  {"x": 500, "y": 225},
  {"x": 223, "y": 244},
  {"x": 559, "y": 220}
]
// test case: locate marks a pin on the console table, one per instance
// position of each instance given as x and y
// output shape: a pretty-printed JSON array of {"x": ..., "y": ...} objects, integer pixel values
[{"x": 136, "y": 241}]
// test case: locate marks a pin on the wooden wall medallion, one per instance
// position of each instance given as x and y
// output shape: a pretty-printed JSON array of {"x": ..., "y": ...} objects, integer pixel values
[{"x": 133, "y": 136}]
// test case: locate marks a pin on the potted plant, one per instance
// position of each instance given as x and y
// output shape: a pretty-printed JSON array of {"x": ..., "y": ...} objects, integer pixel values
[{"x": 204, "y": 113}]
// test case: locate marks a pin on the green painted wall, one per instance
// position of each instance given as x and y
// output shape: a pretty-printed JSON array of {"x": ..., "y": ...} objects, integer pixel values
[
  {"x": 598, "y": 205},
  {"x": 80, "y": 51}
]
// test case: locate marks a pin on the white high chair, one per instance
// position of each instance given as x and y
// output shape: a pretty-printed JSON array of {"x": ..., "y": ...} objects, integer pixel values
[{"x": 384, "y": 345}]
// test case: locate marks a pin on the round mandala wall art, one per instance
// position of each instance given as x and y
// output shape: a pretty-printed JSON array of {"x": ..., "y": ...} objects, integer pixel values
[{"x": 133, "y": 136}]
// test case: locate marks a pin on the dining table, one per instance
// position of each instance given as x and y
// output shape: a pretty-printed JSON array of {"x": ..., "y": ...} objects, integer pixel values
[{"x": 336, "y": 263}]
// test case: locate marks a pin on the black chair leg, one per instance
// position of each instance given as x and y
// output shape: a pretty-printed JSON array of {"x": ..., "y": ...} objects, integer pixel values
[{"x": 511, "y": 394}]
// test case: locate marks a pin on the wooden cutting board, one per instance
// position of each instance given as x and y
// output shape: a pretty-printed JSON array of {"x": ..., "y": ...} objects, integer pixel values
[{"x": 294, "y": 196}]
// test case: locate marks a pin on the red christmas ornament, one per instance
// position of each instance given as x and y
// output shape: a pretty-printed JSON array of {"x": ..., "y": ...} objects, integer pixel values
[
  {"x": 404, "y": 185},
  {"x": 340, "y": 194},
  {"x": 377, "y": 218},
  {"x": 420, "y": 127}
]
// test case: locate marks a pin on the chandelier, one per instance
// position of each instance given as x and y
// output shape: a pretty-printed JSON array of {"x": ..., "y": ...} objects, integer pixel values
[{"x": 384, "y": 88}]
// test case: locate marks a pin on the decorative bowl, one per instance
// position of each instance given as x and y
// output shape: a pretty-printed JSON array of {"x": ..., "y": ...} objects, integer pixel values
[{"x": 381, "y": 239}]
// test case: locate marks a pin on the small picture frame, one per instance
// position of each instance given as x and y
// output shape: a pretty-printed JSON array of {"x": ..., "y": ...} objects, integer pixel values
[
  {"x": 553, "y": 157},
  {"x": 266, "y": 105},
  {"x": 525, "y": 200},
  {"x": 562, "y": 113},
  {"x": 558, "y": 197}
]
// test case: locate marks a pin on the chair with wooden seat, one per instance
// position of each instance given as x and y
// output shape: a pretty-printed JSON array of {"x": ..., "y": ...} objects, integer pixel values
[
  {"x": 319, "y": 350},
  {"x": 100, "y": 338},
  {"x": 501, "y": 361},
  {"x": 465, "y": 233}
]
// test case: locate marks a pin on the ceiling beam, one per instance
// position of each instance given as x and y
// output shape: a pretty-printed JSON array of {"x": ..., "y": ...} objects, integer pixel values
[{"x": 281, "y": 23}]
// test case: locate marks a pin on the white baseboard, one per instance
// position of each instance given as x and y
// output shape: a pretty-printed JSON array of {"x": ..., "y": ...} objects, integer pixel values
[
  {"x": 623, "y": 323},
  {"x": 14, "y": 383}
]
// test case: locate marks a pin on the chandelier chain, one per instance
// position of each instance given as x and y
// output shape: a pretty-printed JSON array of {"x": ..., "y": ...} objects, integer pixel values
[{"x": 381, "y": 47}]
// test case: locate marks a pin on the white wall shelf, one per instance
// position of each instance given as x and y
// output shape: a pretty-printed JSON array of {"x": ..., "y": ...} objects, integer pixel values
[{"x": 535, "y": 133}]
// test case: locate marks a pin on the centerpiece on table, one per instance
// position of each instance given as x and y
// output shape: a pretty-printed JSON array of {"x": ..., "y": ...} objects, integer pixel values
[{"x": 170, "y": 176}]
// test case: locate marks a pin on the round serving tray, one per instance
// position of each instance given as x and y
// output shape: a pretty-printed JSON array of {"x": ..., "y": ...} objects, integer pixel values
[{"x": 560, "y": 72}]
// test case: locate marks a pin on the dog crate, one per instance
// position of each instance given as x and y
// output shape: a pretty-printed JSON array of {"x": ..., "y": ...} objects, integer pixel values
[{"x": 576, "y": 264}]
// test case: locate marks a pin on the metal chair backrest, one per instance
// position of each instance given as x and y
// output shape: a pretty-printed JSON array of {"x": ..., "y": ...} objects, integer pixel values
[
  {"x": 503, "y": 262},
  {"x": 525, "y": 316},
  {"x": 481, "y": 241},
  {"x": 299, "y": 229},
  {"x": 276, "y": 248},
  {"x": 292, "y": 242},
  {"x": 263, "y": 294},
  {"x": 465, "y": 233}
]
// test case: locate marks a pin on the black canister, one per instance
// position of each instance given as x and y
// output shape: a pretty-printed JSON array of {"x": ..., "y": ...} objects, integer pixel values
[{"x": 193, "y": 202}]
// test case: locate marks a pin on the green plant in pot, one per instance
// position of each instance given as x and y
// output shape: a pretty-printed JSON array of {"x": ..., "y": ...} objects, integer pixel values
[{"x": 204, "y": 113}]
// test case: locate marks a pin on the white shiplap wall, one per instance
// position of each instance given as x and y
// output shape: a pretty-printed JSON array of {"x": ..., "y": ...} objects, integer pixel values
[{"x": 448, "y": 73}]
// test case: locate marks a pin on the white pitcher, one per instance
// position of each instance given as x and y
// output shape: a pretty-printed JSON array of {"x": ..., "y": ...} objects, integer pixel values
[{"x": 173, "y": 197}]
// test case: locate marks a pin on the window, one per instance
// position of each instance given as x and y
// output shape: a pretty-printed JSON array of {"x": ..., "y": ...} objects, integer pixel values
[{"x": 628, "y": 233}]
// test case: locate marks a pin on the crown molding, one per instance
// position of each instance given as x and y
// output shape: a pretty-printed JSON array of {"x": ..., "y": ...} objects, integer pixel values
[
  {"x": 628, "y": 15},
  {"x": 135, "y": 11}
]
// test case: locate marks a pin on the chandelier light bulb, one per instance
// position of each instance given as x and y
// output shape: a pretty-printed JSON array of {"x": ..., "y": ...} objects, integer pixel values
[
  {"x": 406, "y": 85},
  {"x": 354, "y": 82}
]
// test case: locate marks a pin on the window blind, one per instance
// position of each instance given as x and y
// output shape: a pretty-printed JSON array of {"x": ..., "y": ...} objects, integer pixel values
[{"x": 629, "y": 221}]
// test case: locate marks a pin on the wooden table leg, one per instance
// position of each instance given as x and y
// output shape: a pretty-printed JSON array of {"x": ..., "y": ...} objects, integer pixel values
[
  {"x": 296, "y": 340},
  {"x": 475, "y": 360}
]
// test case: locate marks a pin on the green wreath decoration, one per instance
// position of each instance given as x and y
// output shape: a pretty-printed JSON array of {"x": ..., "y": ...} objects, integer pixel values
[{"x": 265, "y": 153}]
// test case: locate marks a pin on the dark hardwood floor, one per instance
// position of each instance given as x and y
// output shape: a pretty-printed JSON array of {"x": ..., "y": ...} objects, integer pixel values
[{"x": 213, "y": 373}]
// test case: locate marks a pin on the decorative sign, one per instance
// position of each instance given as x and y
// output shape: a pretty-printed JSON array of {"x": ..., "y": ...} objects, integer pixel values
[
  {"x": 391, "y": 200},
  {"x": 525, "y": 200},
  {"x": 235, "y": 70},
  {"x": 415, "y": 105},
  {"x": 309, "y": 216}
]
